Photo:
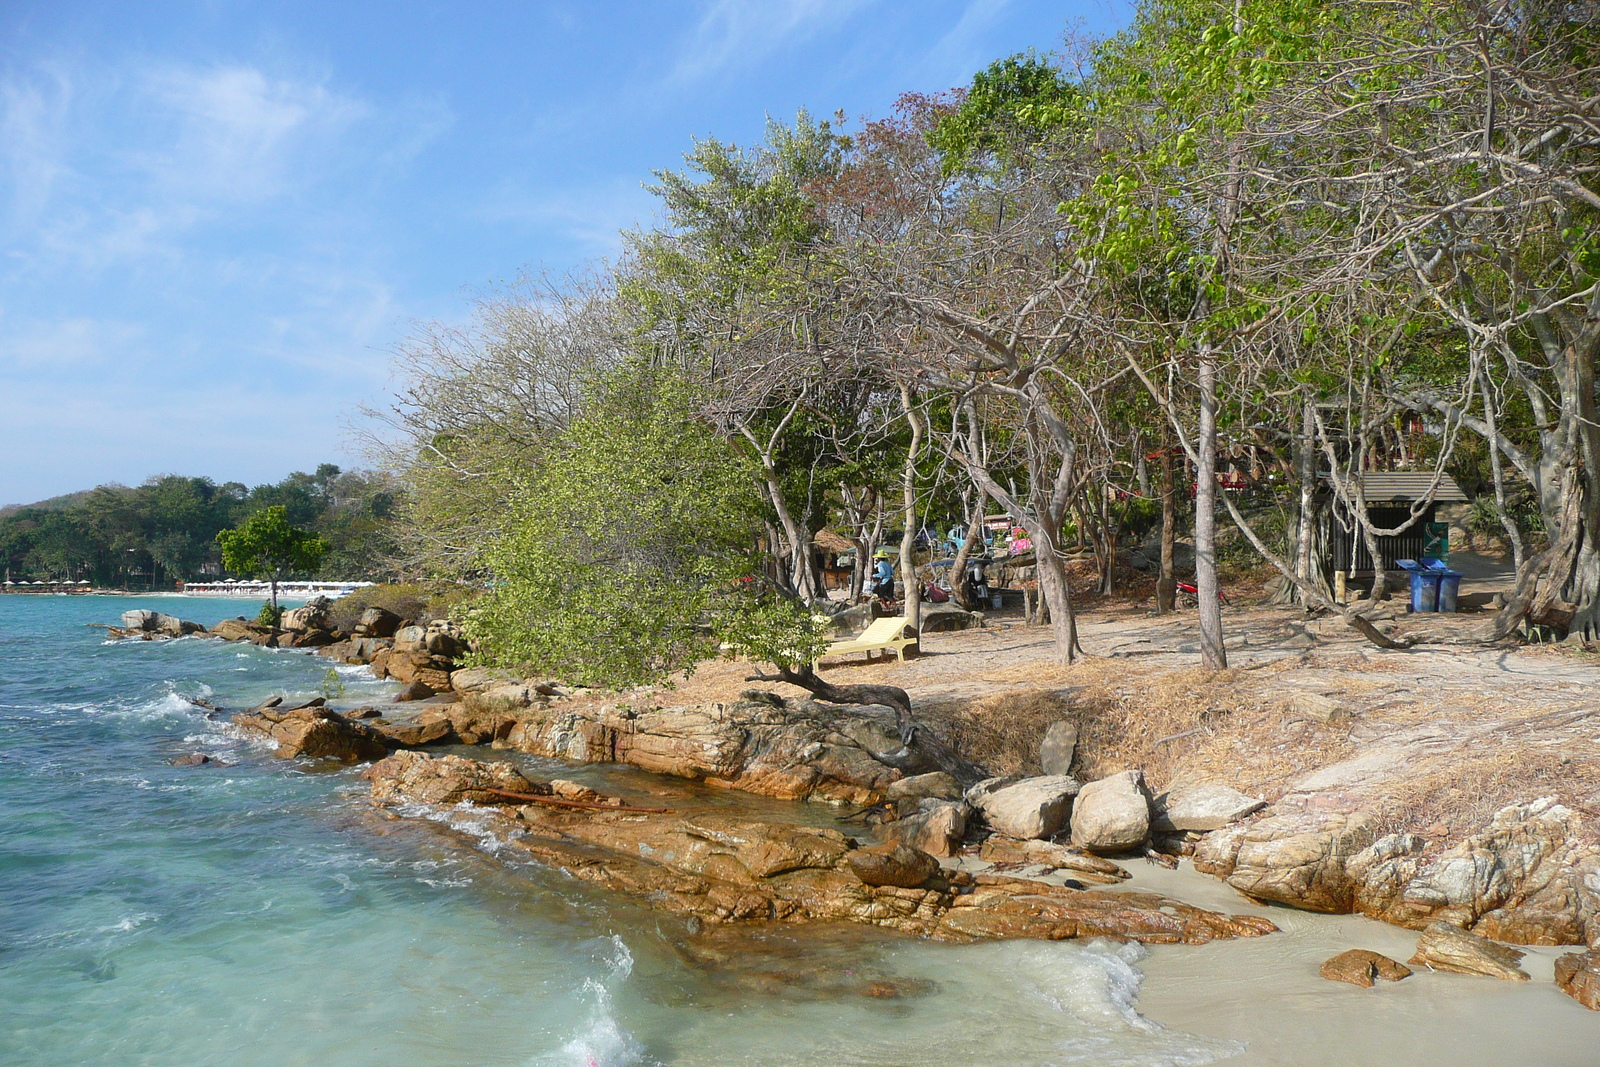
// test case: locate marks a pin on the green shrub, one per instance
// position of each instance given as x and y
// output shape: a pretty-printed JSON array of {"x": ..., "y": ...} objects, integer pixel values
[
  {"x": 417, "y": 601},
  {"x": 269, "y": 615}
]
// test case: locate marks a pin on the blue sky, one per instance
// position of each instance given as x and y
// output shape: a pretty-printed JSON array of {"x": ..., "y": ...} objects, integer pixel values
[{"x": 218, "y": 218}]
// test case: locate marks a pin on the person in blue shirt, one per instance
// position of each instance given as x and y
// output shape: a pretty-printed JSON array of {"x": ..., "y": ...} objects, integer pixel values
[{"x": 883, "y": 576}]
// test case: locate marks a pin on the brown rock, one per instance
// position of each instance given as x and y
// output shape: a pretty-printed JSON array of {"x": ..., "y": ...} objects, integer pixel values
[
  {"x": 377, "y": 622},
  {"x": 936, "y": 785},
  {"x": 809, "y": 751},
  {"x": 192, "y": 759},
  {"x": 1578, "y": 975},
  {"x": 937, "y": 828},
  {"x": 445, "y": 780},
  {"x": 894, "y": 864},
  {"x": 232, "y": 630},
  {"x": 1448, "y": 948},
  {"x": 1112, "y": 814},
  {"x": 1081, "y": 865},
  {"x": 473, "y": 723},
  {"x": 313, "y": 731},
  {"x": 380, "y": 662},
  {"x": 414, "y": 691},
  {"x": 415, "y": 734},
  {"x": 1362, "y": 967},
  {"x": 1296, "y": 859},
  {"x": 726, "y": 870},
  {"x": 434, "y": 677},
  {"x": 1520, "y": 880}
]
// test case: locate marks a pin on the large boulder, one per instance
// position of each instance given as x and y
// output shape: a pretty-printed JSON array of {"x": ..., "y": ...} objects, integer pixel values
[
  {"x": 1297, "y": 858},
  {"x": 443, "y": 644},
  {"x": 1058, "y": 748},
  {"x": 893, "y": 864},
  {"x": 415, "y": 734},
  {"x": 1523, "y": 879},
  {"x": 446, "y": 780},
  {"x": 480, "y": 679},
  {"x": 377, "y": 622},
  {"x": 410, "y": 639},
  {"x": 809, "y": 750},
  {"x": 1200, "y": 807},
  {"x": 947, "y": 618},
  {"x": 313, "y": 731},
  {"x": 417, "y": 666},
  {"x": 312, "y": 615},
  {"x": 232, "y": 630},
  {"x": 158, "y": 622},
  {"x": 1112, "y": 814},
  {"x": 1448, "y": 948},
  {"x": 1032, "y": 807},
  {"x": 938, "y": 827},
  {"x": 1578, "y": 976}
]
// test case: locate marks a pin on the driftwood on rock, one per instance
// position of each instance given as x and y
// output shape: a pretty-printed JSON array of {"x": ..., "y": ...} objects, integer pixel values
[{"x": 919, "y": 746}]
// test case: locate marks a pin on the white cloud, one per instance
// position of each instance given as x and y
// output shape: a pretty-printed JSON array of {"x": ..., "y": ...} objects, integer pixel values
[
  {"x": 734, "y": 33},
  {"x": 233, "y": 133},
  {"x": 63, "y": 342},
  {"x": 33, "y": 113}
]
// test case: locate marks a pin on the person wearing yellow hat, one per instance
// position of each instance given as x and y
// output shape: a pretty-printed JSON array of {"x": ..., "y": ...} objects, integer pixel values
[{"x": 882, "y": 576}]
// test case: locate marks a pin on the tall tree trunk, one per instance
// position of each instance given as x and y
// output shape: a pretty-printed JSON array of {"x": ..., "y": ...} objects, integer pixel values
[
  {"x": 911, "y": 608},
  {"x": 1057, "y": 595},
  {"x": 1497, "y": 470},
  {"x": 1212, "y": 653},
  {"x": 1307, "y": 464},
  {"x": 960, "y": 585},
  {"x": 1167, "y": 583}
]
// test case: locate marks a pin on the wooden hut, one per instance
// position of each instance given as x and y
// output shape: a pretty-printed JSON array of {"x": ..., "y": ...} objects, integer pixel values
[{"x": 1390, "y": 497}]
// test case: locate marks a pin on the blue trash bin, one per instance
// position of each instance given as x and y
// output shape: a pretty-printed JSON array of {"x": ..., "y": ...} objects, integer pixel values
[
  {"x": 1449, "y": 589},
  {"x": 1424, "y": 585}
]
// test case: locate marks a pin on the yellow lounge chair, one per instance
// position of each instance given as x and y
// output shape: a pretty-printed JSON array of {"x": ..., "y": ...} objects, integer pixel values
[{"x": 882, "y": 635}]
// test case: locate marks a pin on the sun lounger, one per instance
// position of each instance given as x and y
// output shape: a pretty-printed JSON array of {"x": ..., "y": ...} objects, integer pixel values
[{"x": 881, "y": 636}]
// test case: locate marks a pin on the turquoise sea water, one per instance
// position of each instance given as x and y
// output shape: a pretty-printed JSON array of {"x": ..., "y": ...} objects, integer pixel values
[{"x": 256, "y": 911}]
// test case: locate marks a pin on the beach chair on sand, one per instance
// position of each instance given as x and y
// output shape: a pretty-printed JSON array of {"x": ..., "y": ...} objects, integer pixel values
[{"x": 881, "y": 636}]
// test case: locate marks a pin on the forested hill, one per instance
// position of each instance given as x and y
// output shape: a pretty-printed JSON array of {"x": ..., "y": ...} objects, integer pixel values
[{"x": 149, "y": 536}]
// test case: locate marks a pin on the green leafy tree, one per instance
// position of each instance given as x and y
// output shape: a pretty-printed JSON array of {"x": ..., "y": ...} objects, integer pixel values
[
  {"x": 639, "y": 518},
  {"x": 267, "y": 545}
]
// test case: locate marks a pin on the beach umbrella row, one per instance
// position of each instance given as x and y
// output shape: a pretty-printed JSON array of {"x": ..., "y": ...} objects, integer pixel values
[{"x": 82, "y": 581}]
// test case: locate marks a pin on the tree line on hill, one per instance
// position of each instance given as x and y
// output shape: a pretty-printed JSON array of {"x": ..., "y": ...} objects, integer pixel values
[
  {"x": 1306, "y": 239},
  {"x": 153, "y": 535}
]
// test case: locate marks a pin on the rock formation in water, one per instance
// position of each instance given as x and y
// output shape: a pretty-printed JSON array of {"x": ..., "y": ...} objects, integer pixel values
[{"x": 723, "y": 869}]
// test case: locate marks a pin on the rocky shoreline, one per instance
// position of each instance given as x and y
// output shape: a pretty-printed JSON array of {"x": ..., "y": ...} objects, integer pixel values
[{"x": 1529, "y": 877}]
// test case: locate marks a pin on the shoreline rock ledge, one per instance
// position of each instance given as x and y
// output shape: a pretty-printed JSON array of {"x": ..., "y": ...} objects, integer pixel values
[{"x": 731, "y": 869}]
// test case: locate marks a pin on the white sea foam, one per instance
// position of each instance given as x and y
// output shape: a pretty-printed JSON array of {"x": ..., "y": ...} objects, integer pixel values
[
  {"x": 1097, "y": 984},
  {"x": 476, "y": 822},
  {"x": 602, "y": 1041}
]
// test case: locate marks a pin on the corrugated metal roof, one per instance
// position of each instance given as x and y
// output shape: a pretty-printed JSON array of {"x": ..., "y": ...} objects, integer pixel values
[{"x": 1409, "y": 485}]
